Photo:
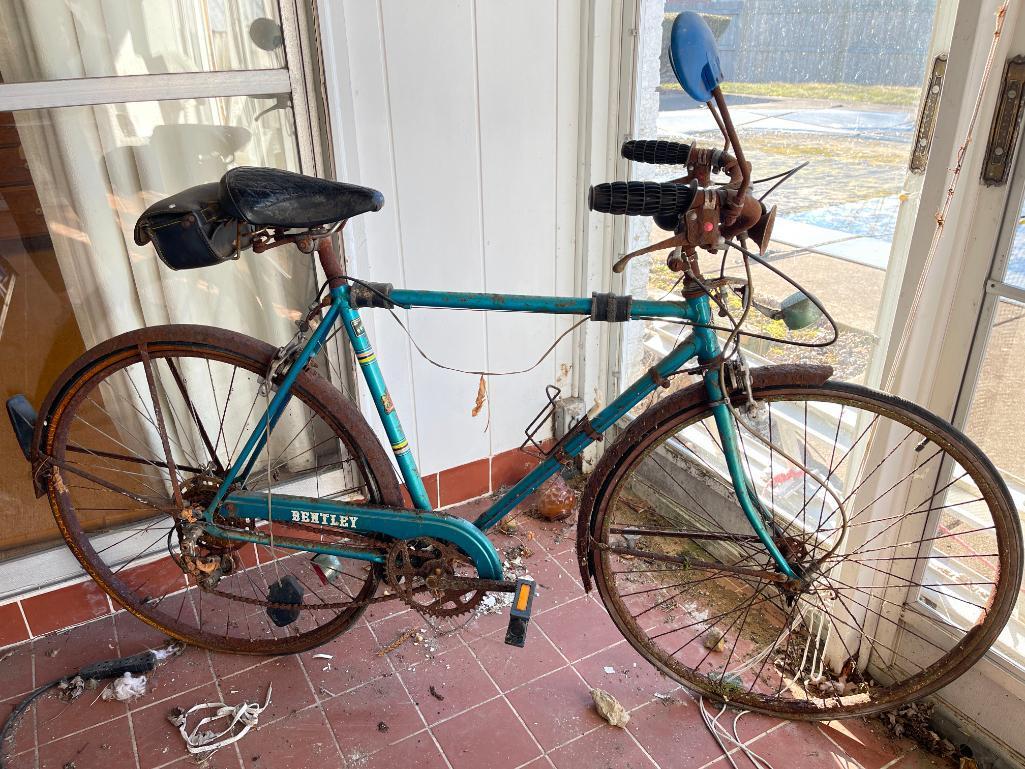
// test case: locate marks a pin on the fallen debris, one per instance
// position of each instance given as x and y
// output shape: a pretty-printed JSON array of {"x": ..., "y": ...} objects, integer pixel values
[
  {"x": 434, "y": 693},
  {"x": 71, "y": 688},
  {"x": 912, "y": 721},
  {"x": 400, "y": 639},
  {"x": 382, "y": 726},
  {"x": 124, "y": 688},
  {"x": 323, "y": 656},
  {"x": 241, "y": 718},
  {"x": 608, "y": 707}
]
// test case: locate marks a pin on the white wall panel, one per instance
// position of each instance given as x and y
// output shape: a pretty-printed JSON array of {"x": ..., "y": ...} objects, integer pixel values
[{"x": 465, "y": 115}]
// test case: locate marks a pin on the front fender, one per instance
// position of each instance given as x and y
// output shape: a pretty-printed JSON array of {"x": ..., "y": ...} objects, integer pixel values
[{"x": 691, "y": 398}]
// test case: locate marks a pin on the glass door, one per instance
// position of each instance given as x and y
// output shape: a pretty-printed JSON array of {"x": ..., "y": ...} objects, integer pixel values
[
  {"x": 840, "y": 87},
  {"x": 105, "y": 109}
]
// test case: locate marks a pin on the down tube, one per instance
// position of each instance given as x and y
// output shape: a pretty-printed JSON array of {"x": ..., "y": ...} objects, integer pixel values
[
  {"x": 607, "y": 417},
  {"x": 367, "y": 359}
]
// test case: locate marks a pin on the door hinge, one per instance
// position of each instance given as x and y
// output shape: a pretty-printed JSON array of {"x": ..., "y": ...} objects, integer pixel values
[
  {"x": 927, "y": 118},
  {"x": 1003, "y": 134}
]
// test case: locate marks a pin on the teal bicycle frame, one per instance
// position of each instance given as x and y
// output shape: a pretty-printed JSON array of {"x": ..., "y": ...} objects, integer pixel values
[{"x": 701, "y": 344}]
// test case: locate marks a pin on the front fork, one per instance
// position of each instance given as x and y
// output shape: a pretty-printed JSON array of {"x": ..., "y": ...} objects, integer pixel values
[{"x": 709, "y": 351}]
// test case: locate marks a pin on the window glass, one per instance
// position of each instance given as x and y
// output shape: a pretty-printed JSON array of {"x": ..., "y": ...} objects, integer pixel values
[
  {"x": 73, "y": 181},
  {"x": 61, "y": 39}
]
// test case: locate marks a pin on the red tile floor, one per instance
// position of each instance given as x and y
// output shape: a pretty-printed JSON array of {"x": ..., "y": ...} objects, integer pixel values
[{"x": 492, "y": 706}]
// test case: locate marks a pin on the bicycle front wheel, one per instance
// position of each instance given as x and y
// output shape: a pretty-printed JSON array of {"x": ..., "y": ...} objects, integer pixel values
[
  {"x": 144, "y": 427},
  {"x": 907, "y": 544}
]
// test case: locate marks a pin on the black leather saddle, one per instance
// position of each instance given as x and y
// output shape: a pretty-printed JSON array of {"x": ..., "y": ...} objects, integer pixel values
[
  {"x": 267, "y": 197},
  {"x": 211, "y": 223}
]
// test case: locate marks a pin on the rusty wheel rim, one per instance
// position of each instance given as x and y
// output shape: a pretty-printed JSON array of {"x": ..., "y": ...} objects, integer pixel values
[
  {"x": 148, "y": 582},
  {"x": 690, "y": 651}
]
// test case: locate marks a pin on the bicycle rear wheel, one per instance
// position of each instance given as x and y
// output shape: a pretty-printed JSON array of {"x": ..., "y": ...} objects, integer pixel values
[
  {"x": 907, "y": 540},
  {"x": 187, "y": 397}
]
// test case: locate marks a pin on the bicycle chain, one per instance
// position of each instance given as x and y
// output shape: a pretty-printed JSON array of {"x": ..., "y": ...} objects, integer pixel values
[{"x": 452, "y": 584}]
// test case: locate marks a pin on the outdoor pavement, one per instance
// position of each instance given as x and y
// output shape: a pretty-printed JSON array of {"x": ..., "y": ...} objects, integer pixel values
[{"x": 457, "y": 698}]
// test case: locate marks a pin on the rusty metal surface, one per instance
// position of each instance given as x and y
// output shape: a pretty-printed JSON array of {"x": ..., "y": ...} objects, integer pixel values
[{"x": 318, "y": 393}]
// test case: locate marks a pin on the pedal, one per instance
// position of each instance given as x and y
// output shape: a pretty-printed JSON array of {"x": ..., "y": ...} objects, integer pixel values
[
  {"x": 23, "y": 420},
  {"x": 286, "y": 590},
  {"x": 519, "y": 612}
]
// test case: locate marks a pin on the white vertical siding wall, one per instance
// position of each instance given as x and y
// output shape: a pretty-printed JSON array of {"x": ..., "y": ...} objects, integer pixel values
[{"x": 465, "y": 115}]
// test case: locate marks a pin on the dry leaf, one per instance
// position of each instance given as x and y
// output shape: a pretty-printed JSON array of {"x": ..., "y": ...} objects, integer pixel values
[{"x": 482, "y": 396}]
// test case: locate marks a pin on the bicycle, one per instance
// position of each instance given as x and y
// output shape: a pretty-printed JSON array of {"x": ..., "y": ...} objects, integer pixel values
[{"x": 765, "y": 536}]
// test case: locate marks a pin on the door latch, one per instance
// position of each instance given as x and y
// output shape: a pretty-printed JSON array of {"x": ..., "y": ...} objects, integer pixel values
[
  {"x": 927, "y": 119},
  {"x": 1003, "y": 134}
]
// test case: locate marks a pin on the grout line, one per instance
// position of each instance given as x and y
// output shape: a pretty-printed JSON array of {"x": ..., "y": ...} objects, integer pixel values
[
  {"x": 843, "y": 752},
  {"x": 131, "y": 726},
  {"x": 505, "y": 699},
  {"x": 413, "y": 702},
  {"x": 319, "y": 706}
]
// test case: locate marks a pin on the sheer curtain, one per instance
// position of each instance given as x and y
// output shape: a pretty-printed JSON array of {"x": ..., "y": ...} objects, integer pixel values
[{"x": 96, "y": 168}]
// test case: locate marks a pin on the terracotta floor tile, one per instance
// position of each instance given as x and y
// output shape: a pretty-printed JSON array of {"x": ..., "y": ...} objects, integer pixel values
[
  {"x": 301, "y": 741},
  {"x": 553, "y": 536},
  {"x": 24, "y": 735},
  {"x": 64, "y": 653},
  {"x": 372, "y": 717},
  {"x": 801, "y": 744},
  {"x": 56, "y": 718},
  {"x": 606, "y": 748},
  {"x": 354, "y": 661},
  {"x": 177, "y": 674},
  {"x": 16, "y": 671},
  {"x": 425, "y": 643},
  {"x": 556, "y": 708},
  {"x": 65, "y": 606},
  {"x": 291, "y": 691},
  {"x": 554, "y": 585},
  {"x": 487, "y": 736},
  {"x": 417, "y": 752},
  {"x": 93, "y": 749},
  {"x": 379, "y": 611},
  {"x": 159, "y": 742},
  {"x": 919, "y": 759},
  {"x": 871, "y": 747},
  {"x": 511, "y": 666},
  {"x": 579, "y": 628},
  {"x": 673, "y": 733},
  {"x": 457, "y": 677},
  {"x": 625, "y": 674},
  {"x": 12, "y": 625},
  {"x": 230, "y": 664}
]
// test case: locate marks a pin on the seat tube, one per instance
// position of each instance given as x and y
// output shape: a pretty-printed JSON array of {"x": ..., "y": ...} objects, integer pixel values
[
  {"x": 709, "y": 350},
  {"x": 367, "y": 360}
]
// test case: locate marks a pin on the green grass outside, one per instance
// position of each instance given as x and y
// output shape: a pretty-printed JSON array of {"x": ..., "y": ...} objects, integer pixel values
[{"x": 844, "y": 93}]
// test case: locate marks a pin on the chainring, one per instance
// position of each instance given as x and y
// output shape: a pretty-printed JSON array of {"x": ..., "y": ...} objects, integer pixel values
[{"x": 415, "y": 568}]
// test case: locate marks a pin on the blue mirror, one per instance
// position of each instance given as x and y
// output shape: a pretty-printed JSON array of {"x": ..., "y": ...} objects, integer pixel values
[{"x": 694, "y": 56}]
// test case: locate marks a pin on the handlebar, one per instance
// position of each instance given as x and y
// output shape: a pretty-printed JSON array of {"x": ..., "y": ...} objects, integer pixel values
[
  {"x": 656, "y": 151},
  {"x": 640, "y": 198}
]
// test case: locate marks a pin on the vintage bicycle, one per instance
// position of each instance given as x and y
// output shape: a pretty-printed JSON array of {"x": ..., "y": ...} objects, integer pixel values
[{"x": 763, "y": 535}]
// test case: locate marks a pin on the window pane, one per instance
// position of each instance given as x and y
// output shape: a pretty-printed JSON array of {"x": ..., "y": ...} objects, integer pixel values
[
  {"x": 832, "y": 83},
  {"x": 61, "y": 39},
  {"x": 73, "y": 181},
  {"x": 996, "y": 423}
]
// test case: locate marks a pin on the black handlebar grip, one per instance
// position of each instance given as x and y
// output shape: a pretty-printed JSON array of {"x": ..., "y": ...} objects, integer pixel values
[
  {"x": 640, "y": 198},
  {"x": 657, "y": 151}
]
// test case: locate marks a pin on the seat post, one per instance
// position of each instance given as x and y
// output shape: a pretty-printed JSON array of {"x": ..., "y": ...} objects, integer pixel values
[{"x": 330, "y": 263}]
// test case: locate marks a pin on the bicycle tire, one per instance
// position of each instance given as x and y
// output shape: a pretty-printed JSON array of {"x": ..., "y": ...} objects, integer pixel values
[
  {"x": 612, "y": 477},
  {"x": 121, "y": 357}
]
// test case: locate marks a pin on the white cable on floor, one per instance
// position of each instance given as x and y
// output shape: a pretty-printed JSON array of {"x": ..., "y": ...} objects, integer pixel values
[{"x": 721, "y": 733}]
